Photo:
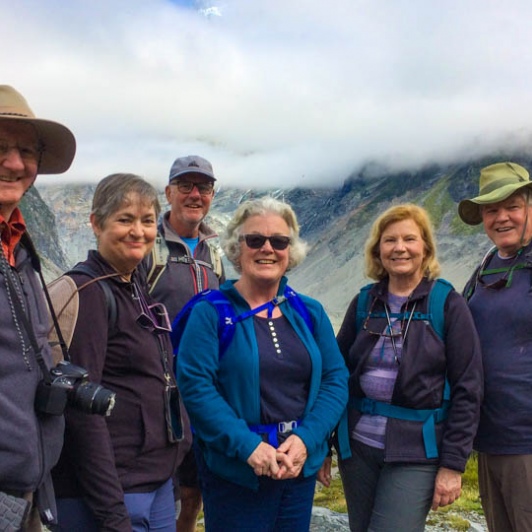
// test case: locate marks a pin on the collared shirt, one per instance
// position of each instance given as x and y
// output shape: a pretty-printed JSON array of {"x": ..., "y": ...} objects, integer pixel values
[{"x": 12, "y": 232}]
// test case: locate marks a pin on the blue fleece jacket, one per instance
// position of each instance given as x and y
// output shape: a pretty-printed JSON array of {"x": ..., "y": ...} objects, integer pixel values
[{"x": 222, "y": 396}]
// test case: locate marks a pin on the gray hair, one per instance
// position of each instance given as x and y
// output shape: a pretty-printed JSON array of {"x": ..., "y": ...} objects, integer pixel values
[
  {"x": 113, "y": 192},
  {"x": 527, "y": 196},
  {"x": 260, "y": 207}
]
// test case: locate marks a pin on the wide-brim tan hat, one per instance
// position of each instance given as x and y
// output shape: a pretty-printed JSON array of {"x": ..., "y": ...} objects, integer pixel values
[
  {"x": 58, "y": 142},
  {"x": 497, "y": 183}
]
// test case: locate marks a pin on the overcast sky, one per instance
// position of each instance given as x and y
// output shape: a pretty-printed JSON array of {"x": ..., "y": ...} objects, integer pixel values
[{"x": 273, "y": 92}]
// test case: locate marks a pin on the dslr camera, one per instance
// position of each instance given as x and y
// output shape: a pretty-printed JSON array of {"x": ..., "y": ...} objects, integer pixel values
[{"x": 70, "y": 385}]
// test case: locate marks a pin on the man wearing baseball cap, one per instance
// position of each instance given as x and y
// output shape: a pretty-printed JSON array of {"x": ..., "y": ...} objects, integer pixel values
[
  {"x": 30, "y": 441},
  {"x": 186, "y": 259},
  {"x": 499, "y": 296}
]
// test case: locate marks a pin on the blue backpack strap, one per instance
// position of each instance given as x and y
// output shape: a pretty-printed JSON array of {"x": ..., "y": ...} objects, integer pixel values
[
  {"x": 436, "y": 316},
  {"x": 363, "y": 303},
  {"x": 429, "y": 418},
  {"x": 297, "y": 303},
  {"x": 436, "y": 305},
  {"x": 289, "y": 295},
  {"x": 270, "y": 432},
  {"x": 226, "y": 318},
  {"x": 112, "y": 312}
]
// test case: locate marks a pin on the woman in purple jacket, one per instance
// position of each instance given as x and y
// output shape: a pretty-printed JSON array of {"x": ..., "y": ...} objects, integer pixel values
[
  {"x": 115, "y": 472},
  {"x": 409, "y": 446}
]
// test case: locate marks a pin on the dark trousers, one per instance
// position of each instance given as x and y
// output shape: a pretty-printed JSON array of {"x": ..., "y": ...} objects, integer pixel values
[
  {"x": 278, "y": 505},
  {"x": 505, "y": 485},
  {"x": 384, "y": 497}
]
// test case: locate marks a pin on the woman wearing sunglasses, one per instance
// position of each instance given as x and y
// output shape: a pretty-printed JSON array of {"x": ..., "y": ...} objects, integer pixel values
[
  {"x": 264, "y": 409},
  {"x": 115, "y": 472},
  {"x": 415, "y": 381}
]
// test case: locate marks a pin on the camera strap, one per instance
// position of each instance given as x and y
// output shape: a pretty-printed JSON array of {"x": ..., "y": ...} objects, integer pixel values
[
  {"x": 21, "y": 314},
  {"x": 172, "y": 408},
  {"x": 172, "y": 403},
  {"x": 36, "y": 263}
]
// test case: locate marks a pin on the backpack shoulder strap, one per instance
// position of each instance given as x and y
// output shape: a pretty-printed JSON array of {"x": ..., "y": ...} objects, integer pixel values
[
  {"x": 160, "y": 256},
  {"x": 299, "y": 306},
  {"x": 64, "y": 297},
  {"x": 471, "y": 284},
  {"x": 159, "y": 259},
  {"x": 436, "y": 308},
  {"x": 112, "y": 312},
  {"x": 216, "y": 257},
  {"x": 65, "y": 300},
  {"x": 436, "y": 305},
  {"x": 226, "y": 318},
  {"x": 363, "y": 303}
]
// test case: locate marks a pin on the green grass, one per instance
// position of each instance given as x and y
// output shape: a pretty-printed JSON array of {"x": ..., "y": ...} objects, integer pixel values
[
  {"x": 332, "y": 497},
  {"x": 438, "y": 202}
]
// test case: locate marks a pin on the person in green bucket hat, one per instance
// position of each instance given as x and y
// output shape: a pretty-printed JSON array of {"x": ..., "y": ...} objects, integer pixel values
[
  {"x": 498, "y": 182},
  {"x": 499, "y": 294}
]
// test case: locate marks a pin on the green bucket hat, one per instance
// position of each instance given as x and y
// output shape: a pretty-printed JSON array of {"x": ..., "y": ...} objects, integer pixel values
[{"x": 497, "y": 183}]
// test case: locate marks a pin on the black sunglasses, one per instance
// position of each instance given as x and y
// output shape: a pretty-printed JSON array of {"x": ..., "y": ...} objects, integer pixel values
[
  {"x": 186, "y": 187},
  {"x": 153, "y": 317},
  {"x": 389, "y": 331},
  {"x": 256, "y": 241},
  {"x": 506, "y": 280}
]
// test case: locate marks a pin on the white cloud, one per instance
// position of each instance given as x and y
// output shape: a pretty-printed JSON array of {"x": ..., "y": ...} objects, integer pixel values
[{"x": 273, "y": 92}]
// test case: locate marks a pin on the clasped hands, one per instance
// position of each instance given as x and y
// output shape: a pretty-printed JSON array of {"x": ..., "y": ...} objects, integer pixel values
[{"x": 282, "y": 463}]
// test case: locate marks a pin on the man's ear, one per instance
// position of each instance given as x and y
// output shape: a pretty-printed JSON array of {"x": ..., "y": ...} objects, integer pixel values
[{"x": 167, "y": 193}]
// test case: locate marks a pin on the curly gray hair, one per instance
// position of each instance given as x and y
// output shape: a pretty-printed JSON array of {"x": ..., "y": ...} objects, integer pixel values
[{"x": 259, "y": 207}]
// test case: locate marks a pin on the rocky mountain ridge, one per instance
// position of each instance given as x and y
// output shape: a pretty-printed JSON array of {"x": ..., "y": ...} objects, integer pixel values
[{"x": 334, "y": 221}]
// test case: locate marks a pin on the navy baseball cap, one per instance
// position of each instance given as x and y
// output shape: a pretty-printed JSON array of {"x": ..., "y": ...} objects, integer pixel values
[{"x": 191, "y": 164}]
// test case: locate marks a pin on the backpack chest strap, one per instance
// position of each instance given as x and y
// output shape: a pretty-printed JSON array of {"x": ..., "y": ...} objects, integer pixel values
[
  {"x": 407, "y": 315},
  {"x": 186, "y": 259},
  {"x": 271, "y": 431},
  {"x": 429, "y": 418},
  {"x": 269, "y": 305}
]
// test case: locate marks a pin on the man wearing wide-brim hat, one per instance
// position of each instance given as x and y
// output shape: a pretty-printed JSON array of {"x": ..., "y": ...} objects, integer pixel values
[
  {"x": 500, "y": 298},
  {"x": 30, "y": 442}
]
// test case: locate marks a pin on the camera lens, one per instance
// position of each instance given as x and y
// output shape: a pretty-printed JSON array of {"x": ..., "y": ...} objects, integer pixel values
[{"x": 92, "y": 398}]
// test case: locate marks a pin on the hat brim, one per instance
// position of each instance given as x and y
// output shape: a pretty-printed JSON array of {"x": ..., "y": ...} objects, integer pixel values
[
  {"x": 58, "y": 142},
  {"x": 193, "y": 171},
  {"x": 469, "y": 209}
]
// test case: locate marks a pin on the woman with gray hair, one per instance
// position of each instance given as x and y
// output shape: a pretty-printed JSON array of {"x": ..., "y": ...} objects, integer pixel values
[
  {"x": 264, "y": 407},
  {"x": 115, "y": 472}
]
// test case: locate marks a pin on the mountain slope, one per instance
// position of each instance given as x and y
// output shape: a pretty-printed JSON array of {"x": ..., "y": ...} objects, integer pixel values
[
  {"x": 40, "y": 221},
  {"x": 334, "y": 221}
]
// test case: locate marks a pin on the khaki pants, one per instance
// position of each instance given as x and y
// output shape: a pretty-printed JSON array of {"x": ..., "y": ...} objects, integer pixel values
[
  {"x": 33, "y": 521},
  {"x": 505, "y": 485}
]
